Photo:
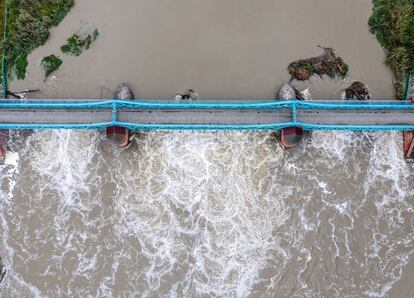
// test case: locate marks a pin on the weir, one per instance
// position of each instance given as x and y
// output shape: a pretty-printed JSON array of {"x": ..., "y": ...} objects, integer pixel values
[
  {"x": 120, "y": 117},
  {"x": 207, "y": 114}
]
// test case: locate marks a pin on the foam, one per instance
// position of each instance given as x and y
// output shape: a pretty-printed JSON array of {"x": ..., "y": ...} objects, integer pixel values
[
  {"x": 212, "y": 213},
  {"x": 12, "y": 158}
]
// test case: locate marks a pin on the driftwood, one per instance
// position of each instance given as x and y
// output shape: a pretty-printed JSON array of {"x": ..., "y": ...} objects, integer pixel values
[
  {"x": 327, "y": 64},
  {"x": 358, "y": 90},
  {"x": 24, "y": 94},
  {"x": 187, "y": 94}
]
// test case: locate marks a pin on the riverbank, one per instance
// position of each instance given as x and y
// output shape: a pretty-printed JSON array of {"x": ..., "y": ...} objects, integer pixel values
[
  {"x": 392, "y": 22},
  {"x": 28, "y": 26}
]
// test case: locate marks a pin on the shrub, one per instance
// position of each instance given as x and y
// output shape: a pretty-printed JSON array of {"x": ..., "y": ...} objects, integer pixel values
[
  {"x": 29, "y": 24},
  {"x": 392, "y": 22},
  {"x": 21, "y": 65}
]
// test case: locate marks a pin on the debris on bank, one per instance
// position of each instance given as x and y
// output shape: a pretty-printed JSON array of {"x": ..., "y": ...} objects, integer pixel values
[
  {"x": 327, "y": 64},
  {"x": 50, "y": 64},
  {"x": 23, "y": 94},
  {"x": 187, "y": 94},
  {"x": 358, "y": 91},
  {"x": 76, "y": 44}
]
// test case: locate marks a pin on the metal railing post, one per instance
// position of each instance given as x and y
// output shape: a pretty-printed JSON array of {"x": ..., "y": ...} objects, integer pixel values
[
  {"x": 294, "y": 112},
  {"x": 114, "y": 113}
]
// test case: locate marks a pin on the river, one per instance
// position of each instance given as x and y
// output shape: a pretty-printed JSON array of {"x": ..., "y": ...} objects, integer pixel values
[{"x": 200, "y": 214}]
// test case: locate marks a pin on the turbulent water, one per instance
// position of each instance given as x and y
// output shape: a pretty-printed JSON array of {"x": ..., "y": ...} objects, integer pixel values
[{"x": 205, "y": 214}]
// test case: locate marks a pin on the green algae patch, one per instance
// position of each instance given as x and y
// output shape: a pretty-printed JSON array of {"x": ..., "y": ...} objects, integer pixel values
[
  {"x": 28, "y": 27},
  {"x": 50, "y": 64},
  {"x": 392, "y": 22},
  {"x": 327, "y": 64},
  {"x": 76, "y": 44}
]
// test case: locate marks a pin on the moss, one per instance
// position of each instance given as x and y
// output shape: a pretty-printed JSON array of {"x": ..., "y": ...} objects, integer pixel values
[
  {"x": 345, "y": 70},
  {"x": 392, "y": 22},
  {"x": 76, "y": 44},
  {"x": 50, "y": 64},
  {"x": 28, "y": 26}
]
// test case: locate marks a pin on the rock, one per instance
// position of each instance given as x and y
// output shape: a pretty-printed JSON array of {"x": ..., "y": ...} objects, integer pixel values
[
  {"x": 306, "y": 95},
  {"x": 187, "y": 94},
  {"x": 287, "y": 92},
  {"x": 303, "y": 95},
  {"x": 123, "y": 92},
  {"x": 192, "y": 94}
]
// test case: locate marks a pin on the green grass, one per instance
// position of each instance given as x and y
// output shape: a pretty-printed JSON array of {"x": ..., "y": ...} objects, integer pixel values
[
  {"x": 76, "y": 44},
  {"x": 392, "y": 22},
  {"x": 29, "y": 24},
  {"x": 21, "y": 65},
  {"x": 50, "y": 64},
  {"x": 309, "y": 68}
]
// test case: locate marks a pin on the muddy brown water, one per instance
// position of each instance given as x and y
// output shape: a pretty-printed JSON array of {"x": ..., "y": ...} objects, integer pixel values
[
  {"x": 233, "y": 49},
  {"x": 207, "y": 214}
]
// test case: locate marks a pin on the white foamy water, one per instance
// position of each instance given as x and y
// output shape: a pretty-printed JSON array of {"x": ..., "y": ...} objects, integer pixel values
[{"x": 205, "y": 214}]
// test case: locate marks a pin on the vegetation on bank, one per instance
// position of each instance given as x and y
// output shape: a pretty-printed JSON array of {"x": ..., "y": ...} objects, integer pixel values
[
  {"x": 50, "y": 64},
  {"x": 392, "y": 21},
  {"x": 76, "y": 44},
  {"x": 28, "y": 28}
]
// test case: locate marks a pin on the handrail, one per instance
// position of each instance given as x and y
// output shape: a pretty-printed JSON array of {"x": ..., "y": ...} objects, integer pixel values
[
  {"x": 219, "y": 104},
  {"x": 115, "y": 106}
]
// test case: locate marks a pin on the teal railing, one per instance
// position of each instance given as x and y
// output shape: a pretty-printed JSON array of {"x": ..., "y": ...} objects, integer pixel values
[{"x": 113, "y": 106}]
